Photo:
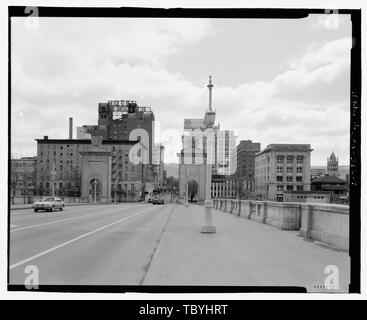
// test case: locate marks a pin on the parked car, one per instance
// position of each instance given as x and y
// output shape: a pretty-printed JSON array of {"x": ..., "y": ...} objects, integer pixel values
[
  {"x": 157, "y": 200},
  {"x": 48, "y": 204}
]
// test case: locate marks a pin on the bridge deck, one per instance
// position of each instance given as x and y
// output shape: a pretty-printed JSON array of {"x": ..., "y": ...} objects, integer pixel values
[{"x": 242, "y": 253}]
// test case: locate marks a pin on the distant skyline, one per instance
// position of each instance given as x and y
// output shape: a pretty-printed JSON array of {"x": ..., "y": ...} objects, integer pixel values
[{"x": 275, "y": 81}]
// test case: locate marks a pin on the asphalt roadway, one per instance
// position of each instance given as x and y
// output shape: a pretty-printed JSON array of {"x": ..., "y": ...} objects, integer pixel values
[
  {"x": 145, "y": 244},
  {"x": 89, "y": 245}
]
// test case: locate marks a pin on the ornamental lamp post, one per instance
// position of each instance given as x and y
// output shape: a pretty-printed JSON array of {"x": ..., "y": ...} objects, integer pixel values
[
  {"x": 208, "y": 226},
  {"x": 209, "y": 120}
]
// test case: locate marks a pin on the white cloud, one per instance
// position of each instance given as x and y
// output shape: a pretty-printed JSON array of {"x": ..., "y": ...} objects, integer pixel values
[
  {"x": 331, "y": 20},
  {"x": 65, "y": 68}
]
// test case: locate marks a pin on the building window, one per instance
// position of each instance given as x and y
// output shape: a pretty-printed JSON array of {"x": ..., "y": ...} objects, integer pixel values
[
  {"x": 280, "y": 187},
  {"x": 299, "y": 169},
  {"x": 299, "y": 188},
  {"x": 279, "y": 169},
  {"x": 280, "y": 178},
  {"x": 289, "y": 169},
  {"x": 280, "y": 159},
  {"x": 289, "y": 159},
  {"x": 289, "y": 188},
  {"x": 289, "y": 179},
  {"x": 299, "y": 178},
  {"x": 279, "y": 198},
  {"x": 299, "y": 159}
]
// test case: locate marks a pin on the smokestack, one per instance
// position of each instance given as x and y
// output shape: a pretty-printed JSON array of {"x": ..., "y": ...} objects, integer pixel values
[{"x": 70, "y": 128}]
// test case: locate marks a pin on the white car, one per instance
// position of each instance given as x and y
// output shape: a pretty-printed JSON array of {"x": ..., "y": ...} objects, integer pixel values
[{"x": 48, "y": 204}]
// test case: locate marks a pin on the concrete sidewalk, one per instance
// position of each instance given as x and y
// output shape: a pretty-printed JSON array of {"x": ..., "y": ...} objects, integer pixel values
[{"x": 242, "y": 253}]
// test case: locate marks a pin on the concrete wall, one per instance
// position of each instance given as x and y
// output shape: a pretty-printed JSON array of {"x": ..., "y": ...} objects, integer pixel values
[{"x": 327, "y": 223}]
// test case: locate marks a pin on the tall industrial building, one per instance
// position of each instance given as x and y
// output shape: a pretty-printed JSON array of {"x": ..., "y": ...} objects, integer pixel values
[
  {"x": 125, "y": 120},
  {"x": 126, "y": 131},
  {"x": 282, "y": 167},
  {"x": 332, "y": 165}
]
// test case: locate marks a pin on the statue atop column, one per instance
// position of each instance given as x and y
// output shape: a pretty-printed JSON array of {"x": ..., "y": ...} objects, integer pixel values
[{"x": 209, "y": 118}]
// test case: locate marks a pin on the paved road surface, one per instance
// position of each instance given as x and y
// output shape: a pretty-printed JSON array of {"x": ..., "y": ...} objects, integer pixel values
[
  {"x": 94, "y": 245},
  {"x": 132, "y": 244}
]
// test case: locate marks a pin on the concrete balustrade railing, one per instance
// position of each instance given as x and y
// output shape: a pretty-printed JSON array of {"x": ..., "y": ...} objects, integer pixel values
[{"x": 327, "y": 223}]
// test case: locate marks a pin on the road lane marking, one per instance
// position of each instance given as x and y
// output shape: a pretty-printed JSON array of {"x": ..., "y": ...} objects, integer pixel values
[
  {"x": 59, "y": 221},
  {"x": 26, "y": 211},
  {"x": 15, "y": 265}
]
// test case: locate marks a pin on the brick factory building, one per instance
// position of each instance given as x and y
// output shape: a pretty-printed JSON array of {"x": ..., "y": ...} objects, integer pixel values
[{"x": 60, "y": 166}]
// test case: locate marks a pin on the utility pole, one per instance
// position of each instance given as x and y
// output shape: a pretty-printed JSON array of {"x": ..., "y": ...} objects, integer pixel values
[
  {"x": 114, "y": 189},
  {"x": 53, "y": 178},
  {"x": 95, "y": 191}
]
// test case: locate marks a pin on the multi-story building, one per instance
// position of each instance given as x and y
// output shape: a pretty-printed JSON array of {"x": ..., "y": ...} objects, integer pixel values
[
  {"x": 226, "y": 157},
  {"x": 332, "y": 165},
  {"x": 124, "y": 120},
  {"x": 158, "y": 164},
  {"x": 282, "y": 167},
  {"x": 245, "y": 173},
  {"x": 336, "y": 187},
  {"x": 23, "y": 176},
  {"x": 59, "y": 166},
  {"x": 206, "y": 147}
]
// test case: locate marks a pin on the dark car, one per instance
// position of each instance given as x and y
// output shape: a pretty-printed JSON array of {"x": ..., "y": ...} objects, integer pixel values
[{"x": 157, "y": 200}]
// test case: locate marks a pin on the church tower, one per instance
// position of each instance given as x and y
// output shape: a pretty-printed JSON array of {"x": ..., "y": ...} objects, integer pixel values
[{"x": 333, "y": 165}]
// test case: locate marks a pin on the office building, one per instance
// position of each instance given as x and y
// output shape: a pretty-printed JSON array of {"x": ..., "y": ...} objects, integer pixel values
[{"x": 282, "y": 167}]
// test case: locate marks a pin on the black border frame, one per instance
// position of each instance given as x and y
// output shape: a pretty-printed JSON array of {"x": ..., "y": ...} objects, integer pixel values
[{"x": 355, "y": 131}]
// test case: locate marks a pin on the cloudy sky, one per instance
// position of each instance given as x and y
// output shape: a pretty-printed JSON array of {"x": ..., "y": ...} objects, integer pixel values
[{"x": 275, "y": 81}]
